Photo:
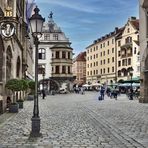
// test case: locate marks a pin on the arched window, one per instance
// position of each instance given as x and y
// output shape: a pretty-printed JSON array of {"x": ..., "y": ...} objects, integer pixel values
[
  {"x": 42, "y": 54},
  {"x": 18, "y": 67}
]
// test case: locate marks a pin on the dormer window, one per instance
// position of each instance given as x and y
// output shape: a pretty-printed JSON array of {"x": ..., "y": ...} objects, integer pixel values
[{"x": 55, "y": 37}]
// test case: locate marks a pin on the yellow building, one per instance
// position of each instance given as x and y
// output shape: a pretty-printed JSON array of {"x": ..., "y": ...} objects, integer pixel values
[
  {"x": 110, "y": 58},
  {"x": 101, "y": 59}
]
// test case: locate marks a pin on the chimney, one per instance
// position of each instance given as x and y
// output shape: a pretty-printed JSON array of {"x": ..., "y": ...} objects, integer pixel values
[{"x": 116, "y": 29}]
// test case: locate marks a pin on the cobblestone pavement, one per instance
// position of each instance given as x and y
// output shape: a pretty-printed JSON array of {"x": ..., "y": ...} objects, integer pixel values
[{"x": 79, "y": 121}]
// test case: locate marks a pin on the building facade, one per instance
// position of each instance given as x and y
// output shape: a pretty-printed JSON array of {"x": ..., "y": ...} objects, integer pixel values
[
  {"x": 143, "y": 13},
  {"x": 13, "y": 45},
  {"x": 79, "y": 68},
  {"x": 128, "y": 51},
  {"x": 55, "y": 57},
  {"x": 111, "y": 57}
]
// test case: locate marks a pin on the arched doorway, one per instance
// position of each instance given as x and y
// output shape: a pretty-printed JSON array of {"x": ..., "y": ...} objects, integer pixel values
[{"x": 8, "y": 63}]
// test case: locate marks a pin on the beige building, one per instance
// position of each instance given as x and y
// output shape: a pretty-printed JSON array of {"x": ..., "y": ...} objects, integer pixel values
[
  {"x": 128, "y": 52},
  {"x": 110, "y": 57},
  {"x": 101, "y": 59},
  {"x": 143, "y": 10},
  {"x": 79, "y": 68},
  {"x": 14, "y": 45}
]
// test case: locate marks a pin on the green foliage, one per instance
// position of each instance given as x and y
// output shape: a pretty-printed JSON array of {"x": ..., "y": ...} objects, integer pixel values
[
  {"x": 31, "y": 85},
  {"x": 13, "y": 85},
  {"x": 24, "y": 84}
]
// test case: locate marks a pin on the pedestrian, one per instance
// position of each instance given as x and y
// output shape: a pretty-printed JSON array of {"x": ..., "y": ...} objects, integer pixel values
[
  {"x": 82, "y": 90},
  {"x": 8, "y": 101},
  {"x": 102, "y": 91},
  {"x": 43, "y": 94}
]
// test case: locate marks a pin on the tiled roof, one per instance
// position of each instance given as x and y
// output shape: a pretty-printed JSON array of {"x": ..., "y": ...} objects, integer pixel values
[
  {"x": 81, "y": 57},
  {"x": 135, "y": 23}
]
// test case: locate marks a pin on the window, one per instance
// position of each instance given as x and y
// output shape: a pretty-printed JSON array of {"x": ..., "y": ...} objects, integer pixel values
[
  {"x": 138, "y": 58},
  {"x": 112, "y": 41},
  {"x": 112, "y": 50},
  {"x": 41, "y": 68},
  {"x": 112, "y": 59},
  {"x": 63, "y": 69},
  {"x": 88, "y": 58},
  {"x": 57, "y": 69},
  {"x": 101, "y": 71},
  {"x": 128, "y": 30},
  {"x": 97, "y": 63},
  {"x": 55, "y": 37},
  {"x": 101, "y": 46},
  {"x": 128, "y": 40},
  {"x": 129, "y": 61},
  {"x": 63, "y": 54},
  {"x": 104, "y": 70},
  {"x": 91, "y": 73},
  {"x": 135, "y": 50},
  {"x": 108, "y": 43},
  {"x": 88, "y": 73},
  {"x": 94, "y": 72},
  {"x": 119, "y": 43},
  {"x": 112, "y": 69},
  {"x": 104, "y": 44},
  {"x": 42, "y": 54},
  {"x": 101, "y": 54},
  {"x": 96, "y": 47},
  {"x": 104, "y": 61},
  {"x": 91, "y": 57},
  {"x": 108, "y": 51},
  {"x": 88, "y": 65},
  {"x": 108, "y": 60},
  {"x": 47, "y": 37},
  {"x": 68, "y": 55},
  {"x": 96, "y": 55},
  {"x": 119, "y": 53},
  {"x": 88, "y": 51},
  {"x": 119, "y": 63},
  {"x": 104, "y": 53},
  {"x": 69, "y": 70},
  {"x": 101, "y": 62},
  {"x": 91, "y": 50},
  {"x": 108, "y": 69},
  {"x": 57, "y": 54},
  {"x": 94, "y": 63}
]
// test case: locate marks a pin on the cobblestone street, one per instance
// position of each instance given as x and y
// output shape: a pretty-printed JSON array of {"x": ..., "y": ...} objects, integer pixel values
[{"x": 79, "y": 121}]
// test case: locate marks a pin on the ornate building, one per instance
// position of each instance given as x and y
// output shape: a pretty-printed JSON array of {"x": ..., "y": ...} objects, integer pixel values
[
  {"x": 128, "y": 52},
  {"x": 143, "y": 9},
  {"x": 14, "y": 49},
  {"x": 55, "y": 57}
]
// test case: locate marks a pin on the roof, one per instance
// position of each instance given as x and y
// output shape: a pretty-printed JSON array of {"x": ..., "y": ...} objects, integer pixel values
[
  {"x": 135, "y": 23},
  {"x": 61, "y": 46},
  {"x": 81, "y": 57}
]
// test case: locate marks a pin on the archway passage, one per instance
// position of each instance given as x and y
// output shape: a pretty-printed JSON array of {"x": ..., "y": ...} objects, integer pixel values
[{"x": 49, "y": 85}]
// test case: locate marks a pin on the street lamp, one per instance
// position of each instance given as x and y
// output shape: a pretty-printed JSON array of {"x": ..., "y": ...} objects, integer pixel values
[
  {"x": 36, "y": 23},
  {"x": 131, "y": 89}
]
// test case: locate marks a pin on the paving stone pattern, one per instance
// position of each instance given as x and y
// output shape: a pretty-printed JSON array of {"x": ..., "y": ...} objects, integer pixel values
[{"x": 79, "y": 121}]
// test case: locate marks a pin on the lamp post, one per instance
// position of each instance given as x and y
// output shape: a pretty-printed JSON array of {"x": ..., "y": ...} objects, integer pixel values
[
  {"x": 36, "y": 23},
  {"x": 131, "y": 89}
]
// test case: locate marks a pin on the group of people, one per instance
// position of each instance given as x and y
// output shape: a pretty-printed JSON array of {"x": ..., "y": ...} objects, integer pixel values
[
  {"x": 112, "y": 93},
  {"x": 79, "y": 90}
]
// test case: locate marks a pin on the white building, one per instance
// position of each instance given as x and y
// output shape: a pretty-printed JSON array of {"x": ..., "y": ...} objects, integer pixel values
[{"x": 55, "y": 57}]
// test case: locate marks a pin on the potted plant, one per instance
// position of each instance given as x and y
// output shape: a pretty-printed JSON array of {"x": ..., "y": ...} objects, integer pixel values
[
  {"x": 14, "y": 86},
  {"x": 23, "y": 87},
  {"x": 31, "y": 85}
]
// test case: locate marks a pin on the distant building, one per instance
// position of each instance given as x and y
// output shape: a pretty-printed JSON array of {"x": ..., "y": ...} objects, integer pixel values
[
  {"x": 143, "y": 9},
  {"x": 55, "y": 57},
  {"x": 79, "y": 68}
]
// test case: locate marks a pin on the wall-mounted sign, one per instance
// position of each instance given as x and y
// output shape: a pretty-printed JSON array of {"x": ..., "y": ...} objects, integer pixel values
[{"x": 7, "y": 29}]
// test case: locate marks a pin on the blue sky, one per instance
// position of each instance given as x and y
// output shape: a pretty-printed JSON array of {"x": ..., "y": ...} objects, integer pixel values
[{"x": 83, "y": 21}]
